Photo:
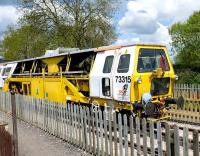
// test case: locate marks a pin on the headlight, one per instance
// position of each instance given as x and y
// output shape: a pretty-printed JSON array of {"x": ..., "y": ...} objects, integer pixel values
[{"x": 139, "y": 80}]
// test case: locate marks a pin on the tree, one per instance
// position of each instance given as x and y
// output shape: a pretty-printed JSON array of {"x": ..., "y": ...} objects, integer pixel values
[
  {"x": 74, "y": 23},
  {"x": 24, "y": 43},
  {"x": 61, "y": 23},
  {"x": 186, "y": 41}
]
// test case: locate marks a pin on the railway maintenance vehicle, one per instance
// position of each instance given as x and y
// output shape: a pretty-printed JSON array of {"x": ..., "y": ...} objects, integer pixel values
[{"x": 136, "y": 79}]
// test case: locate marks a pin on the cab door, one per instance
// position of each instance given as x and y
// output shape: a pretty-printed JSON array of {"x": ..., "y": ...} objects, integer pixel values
[
  {"x": 106, "y": 89},
  {"x": 101, "y": 75},
  {"x": 122, "y": 75},
  {"x": 1, "y": 79}
]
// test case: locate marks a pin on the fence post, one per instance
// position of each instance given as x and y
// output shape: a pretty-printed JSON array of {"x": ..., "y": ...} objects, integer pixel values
[
  {"x": 105, "y": 132},
  {"x": 176, "y": 145},
  {"x": 97, "y": 131},
  {"x": 196, "y": 143},
  {"x": 125, "y": 134},
  {"x": 110, "y": 134},
  {"x": 185, "y": 142},
  {"x": 144, "y": 135},
  {"x": 115, "y": 133},
  {"x": 14, "y": 119},
  {"x": 152, "y": 138},
  {"x": 101, "y": 132},
  {"x": 131, "y": 135},
  {"x": 138, "y": 136},
  {"x": 120, "y": 134},
  {"x": 159, "y": 139},
  {"x": 167, "y": 139}
]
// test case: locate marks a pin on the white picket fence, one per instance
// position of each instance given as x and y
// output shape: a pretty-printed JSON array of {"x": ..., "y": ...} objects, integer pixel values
[{"x": 93, "y": 130}]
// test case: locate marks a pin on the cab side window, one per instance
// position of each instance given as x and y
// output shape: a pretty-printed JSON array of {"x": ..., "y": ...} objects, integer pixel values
[
  {"x": 6, "y": 71},
  {"x": 106, "y": 87},
  {"x": 108, "y": 64},
  {"x": 124, "y": 62}
]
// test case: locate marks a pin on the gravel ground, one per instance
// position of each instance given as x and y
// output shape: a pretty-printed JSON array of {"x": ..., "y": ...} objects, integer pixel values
[{"x": 35, "y": 142}]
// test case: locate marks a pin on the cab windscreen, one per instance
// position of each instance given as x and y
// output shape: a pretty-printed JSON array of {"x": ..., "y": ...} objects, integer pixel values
[{"x": 151, "y": 59}]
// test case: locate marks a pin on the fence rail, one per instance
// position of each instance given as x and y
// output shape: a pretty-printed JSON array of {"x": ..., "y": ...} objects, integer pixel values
[
  {"x": 191, "y": 92},
  {"x": 102, "y": 132},
  {"x": 189, "y": 113}
]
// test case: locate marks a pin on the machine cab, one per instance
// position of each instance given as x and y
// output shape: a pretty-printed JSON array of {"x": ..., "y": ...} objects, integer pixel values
[
  {"x": 126, "y": 73},
  {"x": 153, "y": 73}
]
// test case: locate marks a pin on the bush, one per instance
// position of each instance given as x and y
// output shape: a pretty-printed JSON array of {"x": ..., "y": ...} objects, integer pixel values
[{"x": 189, "y": 77}]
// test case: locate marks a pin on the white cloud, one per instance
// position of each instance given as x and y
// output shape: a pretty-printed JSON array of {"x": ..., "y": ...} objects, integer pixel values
[
  {"x": 149, "y": 20},
  {"x": 160, "y": 36},
  {"x": 138, "y": 21},
  {"x": 8, "y": 16}
]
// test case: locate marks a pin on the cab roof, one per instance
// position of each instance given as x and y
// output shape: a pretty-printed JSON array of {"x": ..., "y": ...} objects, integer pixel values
[{"x": 105, "y": 48}]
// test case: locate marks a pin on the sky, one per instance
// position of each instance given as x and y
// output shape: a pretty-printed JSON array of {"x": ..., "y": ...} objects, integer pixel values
[
  {"x": 149, "y": 20},
  {"x": 8, "y": 14},
  {"x": 139, "y": 21}
]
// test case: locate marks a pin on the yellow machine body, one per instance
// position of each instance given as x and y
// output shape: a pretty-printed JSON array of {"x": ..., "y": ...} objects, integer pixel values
[
  {"x": 71, "y": 77},
  {"x": 137, "y": 89},
  {"x": 54, "y": 89}
]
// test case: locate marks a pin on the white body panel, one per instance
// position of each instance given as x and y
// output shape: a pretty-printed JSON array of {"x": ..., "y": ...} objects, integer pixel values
[
  {"x": 94, "y": 76},
  {"x": 117, "y": 80},
  {"x": 7, "y": 71},
  {"x": 97, "y": 74},
  {"x": 1, "y": 79},
  {"x": 122, "y": 81}
]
